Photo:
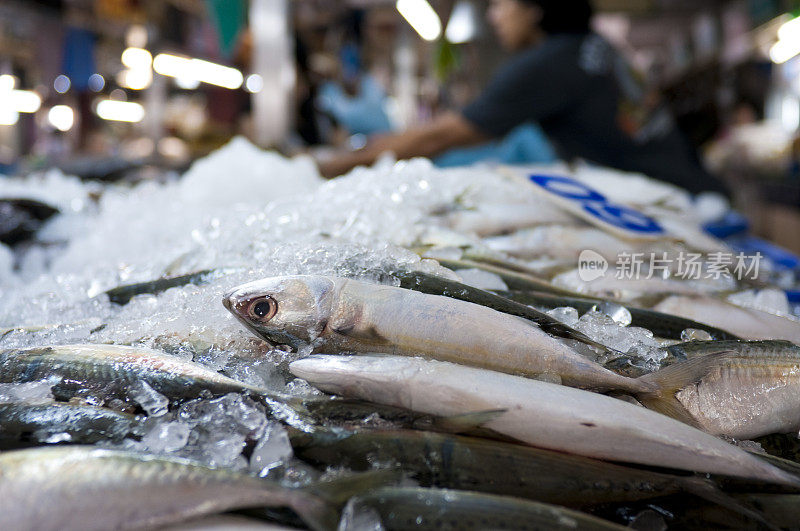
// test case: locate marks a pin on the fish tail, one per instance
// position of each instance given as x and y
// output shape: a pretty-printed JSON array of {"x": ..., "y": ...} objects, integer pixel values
[
  {"x": 319, "y": 504},
  {"x": 709, "y": 491},
  {"x": 658, "y": 388}
]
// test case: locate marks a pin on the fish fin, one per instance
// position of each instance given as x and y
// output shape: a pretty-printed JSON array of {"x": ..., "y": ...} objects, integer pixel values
[
  {"x": 466, "y": 422},
  {"x": 348, "y": 326},
  {"x": 319, "y": 505},
  {"x": 709, "y": 491},
  {"x": 664, "y": 383},
  {"x": 784, "y": 464}
]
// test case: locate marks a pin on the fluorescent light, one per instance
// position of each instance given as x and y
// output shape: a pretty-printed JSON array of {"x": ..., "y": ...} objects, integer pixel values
[
  {"x": 254, "y": 83},
  {"x": 186, "y": 69},
  {"x": 461, "y": 28},
  {"x": 783, "y": 50},
  {"x": 8, "y": 116},
  {"x": 421, "y": 16},
  {"x": 24, "y": 100},
  {"x": 137, "y": 58},
  {"x": 788, "y": 44},
  {"x": 61, "y": 117},
  {"x": 136, "y": 79},
  {"x": 789, "y": 29},
  {"x": 120, "y": 111},
  {"x": 7, "y": 82},
  {"x": 13, "y": 102}
]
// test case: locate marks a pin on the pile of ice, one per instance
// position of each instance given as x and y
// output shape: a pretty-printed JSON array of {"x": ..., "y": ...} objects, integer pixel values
[
  {"x": 212, "y": 431},
  {"x": 610, "y": 325}
]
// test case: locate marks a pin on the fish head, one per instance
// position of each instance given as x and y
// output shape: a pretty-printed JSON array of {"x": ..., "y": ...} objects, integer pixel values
[{"x": 290, "y": 310}]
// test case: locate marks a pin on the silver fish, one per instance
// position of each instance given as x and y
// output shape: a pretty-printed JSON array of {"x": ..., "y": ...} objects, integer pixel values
[
  {"x": 346, "y": 315},
  {"x": 538, "y": 413},
  {"x": 748, "y": 323},
  {"x": 743, "y": 393},
  {"x": 85, "y": 488}
]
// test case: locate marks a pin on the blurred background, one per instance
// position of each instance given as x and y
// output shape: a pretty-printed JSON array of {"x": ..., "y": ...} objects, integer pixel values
[{"x": 109, "y": 89}]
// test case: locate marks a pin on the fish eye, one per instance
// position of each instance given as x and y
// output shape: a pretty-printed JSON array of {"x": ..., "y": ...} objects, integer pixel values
[{"x": 263, "y": 309}]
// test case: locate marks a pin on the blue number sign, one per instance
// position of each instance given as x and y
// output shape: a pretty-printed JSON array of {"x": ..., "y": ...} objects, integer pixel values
[{"x": 596, "y": 208}]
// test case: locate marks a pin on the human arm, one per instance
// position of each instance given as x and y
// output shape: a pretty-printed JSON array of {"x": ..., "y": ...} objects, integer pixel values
[{"x": 445, "y": 132}]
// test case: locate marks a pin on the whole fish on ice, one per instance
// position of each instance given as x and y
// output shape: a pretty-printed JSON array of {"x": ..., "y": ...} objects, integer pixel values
[
  {"x": 538, "y": 413},
  {"x": 748, "y": 323},
  {"x": 84, "y": 488},
  {"x": 750, "y": 390},
  {"x": 337, "y": 314}
]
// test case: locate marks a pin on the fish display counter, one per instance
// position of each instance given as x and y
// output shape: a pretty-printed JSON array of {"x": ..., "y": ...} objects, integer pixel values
[{"x": 249, "y": 346}]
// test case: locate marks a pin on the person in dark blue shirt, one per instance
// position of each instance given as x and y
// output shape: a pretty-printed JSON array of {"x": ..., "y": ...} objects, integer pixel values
[{"x": 571, "y": 82}]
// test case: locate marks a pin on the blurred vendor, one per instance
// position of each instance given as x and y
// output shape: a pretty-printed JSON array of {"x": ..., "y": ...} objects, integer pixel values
[{"x": 574, "y": 85}]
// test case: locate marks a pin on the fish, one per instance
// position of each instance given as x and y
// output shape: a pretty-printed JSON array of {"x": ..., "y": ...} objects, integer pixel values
[
  {"x": 748, "y": 323},
  {"x": 337, "y": 314},
  {"x": 661, "y": 324},
  {"x": 87, "y": 488},
  {"x": 68, "y": 422},
  {"x": 769, "y": 348},
  {"x": 21, "y": 218},
  {"x": 421, "y": 509},
  {"x": 538, "y": 413},
  {"x": 741, "y": 394},
  {"x": 558, "y": 241},
  {"x": 469, "y": 463},
  {"x": 109, "y": 371},
  {"x": 490, "y": 219},
  {"x": 122, "y": 295},
  {"x": 513, "y": 278},
  {"x": 435, "y": 285},
  {"x": 626, "y": 284}
]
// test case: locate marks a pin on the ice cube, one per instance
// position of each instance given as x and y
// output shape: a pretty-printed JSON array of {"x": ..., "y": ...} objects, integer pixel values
[
  {"x": 153, "y": 402},
  {"x": 566, "y": 314},
  {"x": 359, "y": 517},
  {"x": 51, "y": 438},
  {"x": 301, "y": 388},
  {"x": 165, "y": 437},
  {"x": 222, "y": 449},
  {"x": 620, "y": 314},
  {"x": 693, "y": 334},
  {"x": 272, "y": 450}
]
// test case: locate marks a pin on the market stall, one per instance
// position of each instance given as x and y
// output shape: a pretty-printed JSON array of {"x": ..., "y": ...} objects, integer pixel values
[{"x": 232, "y": 341}]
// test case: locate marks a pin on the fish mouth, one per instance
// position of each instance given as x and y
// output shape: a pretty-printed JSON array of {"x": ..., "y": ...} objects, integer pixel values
[
  {"x": 226, "y": 301},
  {"x": 230, "y": 301}
]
